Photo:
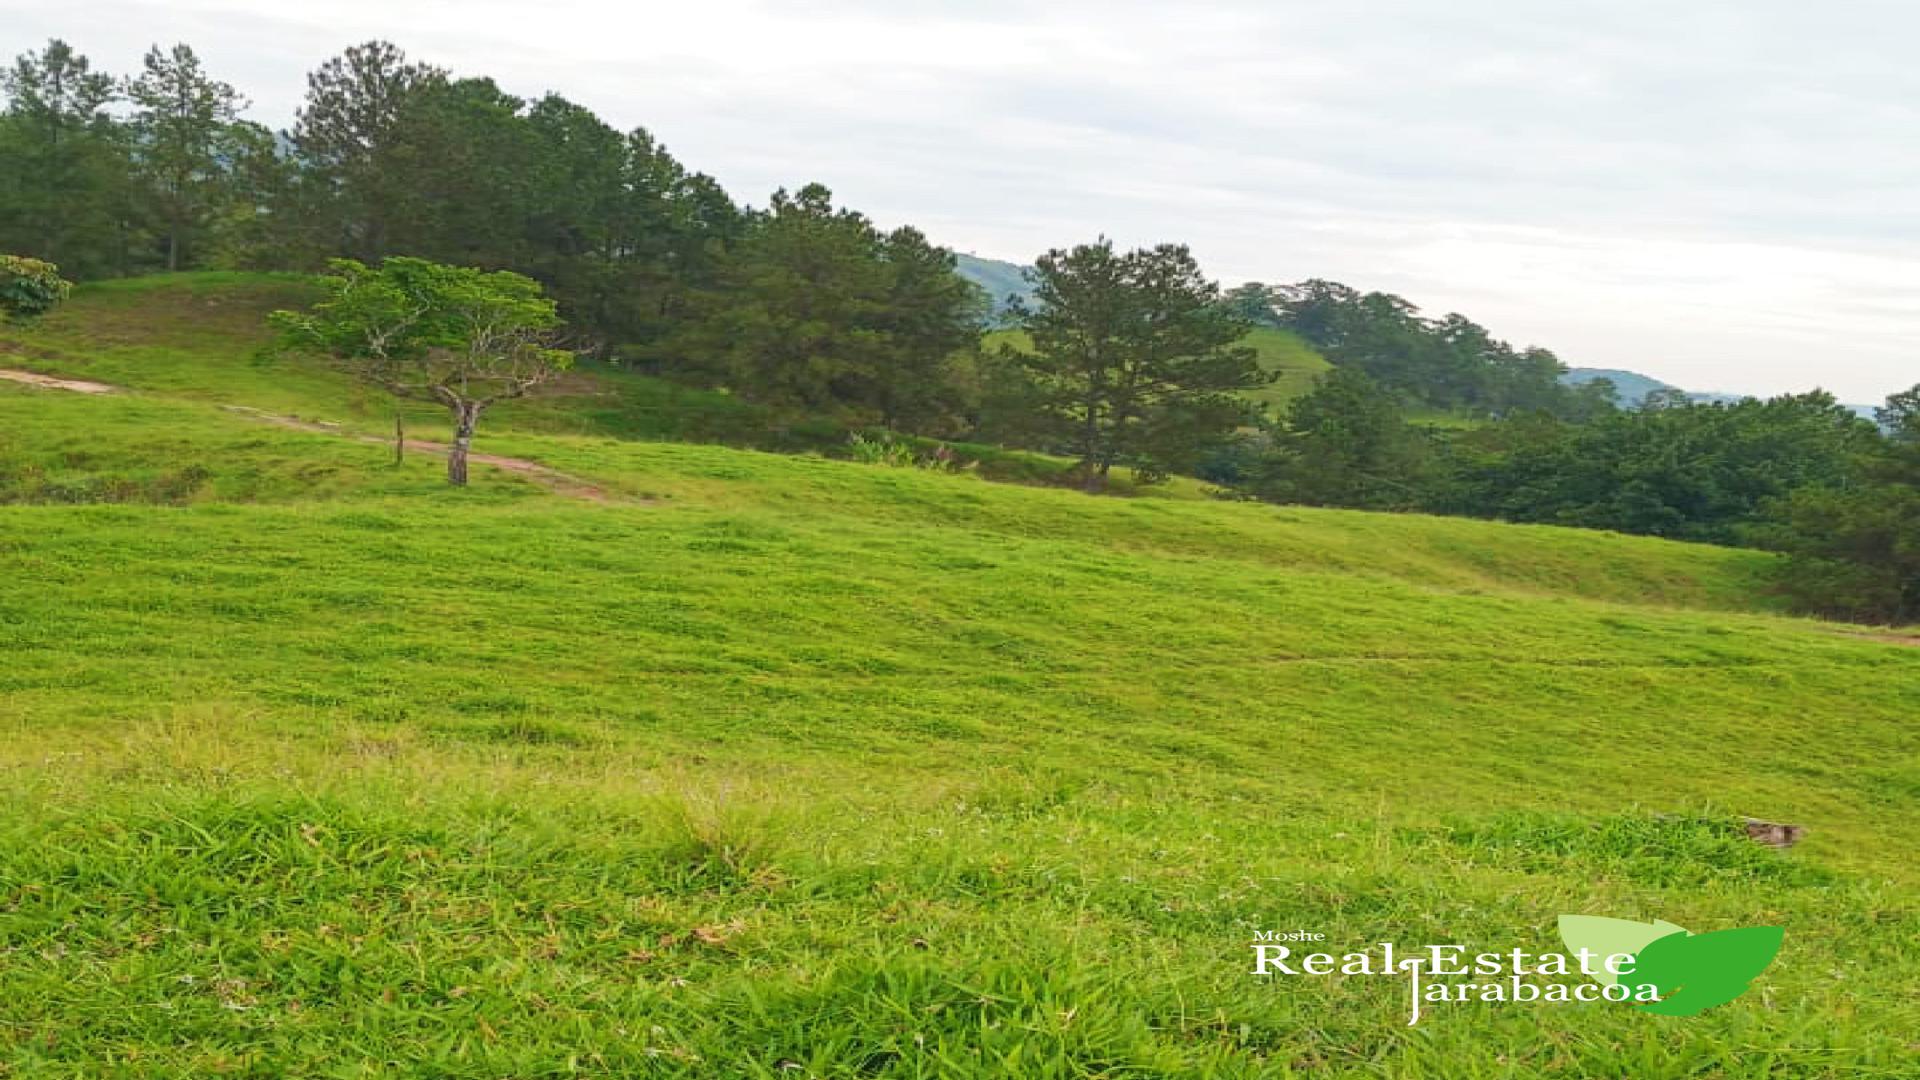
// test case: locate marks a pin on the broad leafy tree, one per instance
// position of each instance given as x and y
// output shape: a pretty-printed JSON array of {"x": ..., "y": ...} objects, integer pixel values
[
  {"x": 463, "y": 338},
  {"x": 1852, "y": 542},
  {"x": 29, "y": 288},
  {"x": 1853, "y": 550},
  {"x": 1677, "y": 468}
]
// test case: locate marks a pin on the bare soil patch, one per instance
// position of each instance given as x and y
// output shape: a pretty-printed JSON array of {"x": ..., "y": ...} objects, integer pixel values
[{"x": 48, "y": 382}]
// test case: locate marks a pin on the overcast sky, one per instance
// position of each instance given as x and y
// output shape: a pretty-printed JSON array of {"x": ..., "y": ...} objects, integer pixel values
[{"x": 1721, "y": 193}]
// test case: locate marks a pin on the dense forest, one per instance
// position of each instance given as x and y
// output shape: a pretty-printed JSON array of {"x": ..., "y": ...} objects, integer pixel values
[{"x": 1129, "y": 359}]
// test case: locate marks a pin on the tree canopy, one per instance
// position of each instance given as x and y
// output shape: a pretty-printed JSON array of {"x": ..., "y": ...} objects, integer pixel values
[
  {"x": 1134, "y": 358},
  {"x": 463, "y": 338}
]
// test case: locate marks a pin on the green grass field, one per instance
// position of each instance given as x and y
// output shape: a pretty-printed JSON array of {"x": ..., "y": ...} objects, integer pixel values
[
  {"x": 1297, "y": 363},
  {"x": 781, "y": 766}
]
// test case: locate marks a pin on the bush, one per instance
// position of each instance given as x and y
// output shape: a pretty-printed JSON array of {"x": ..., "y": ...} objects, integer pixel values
[
  {"x": 879, "y": 450},
  {"x": 29, "y": 288},
  {"x": 884, "y": 449}
]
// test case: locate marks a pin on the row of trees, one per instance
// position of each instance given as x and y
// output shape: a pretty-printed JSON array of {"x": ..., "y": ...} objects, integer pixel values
[
  {"x": 1799, "y": 473},
  {"x": 175, "y": 179}
]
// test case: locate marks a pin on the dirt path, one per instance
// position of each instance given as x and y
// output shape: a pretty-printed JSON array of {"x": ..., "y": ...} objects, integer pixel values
[
  {"x": 48, "y": 382},
  {"x": 551, "y": 478}
]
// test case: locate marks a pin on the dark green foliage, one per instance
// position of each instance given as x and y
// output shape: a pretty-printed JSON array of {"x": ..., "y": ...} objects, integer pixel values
[
  {"x": 1134, "y": 358},
  {"x": 930, "y": 315},
  {"x": 462, "y": 155},
  {"x": 63, "y": 168},
  {"x": 180, "y": 182},
  {"x": 1853, "y": 548},
  {"x": 1800, "y": 473},
  {"x": 1676, "y": 468},
  {"x": 185, "y": 143},
  {"x": 351, "y": 179},
  {"x": 794, "y": 325},
  {"x": 1345, "y": 444},
  {"x": 1254, "y": 303},
  {"x": 818, "y": 311},
  {"x": 622, "y": 232},
  {"x": 1900, "y": 416},
  {"x": 1450, "y": 363}
]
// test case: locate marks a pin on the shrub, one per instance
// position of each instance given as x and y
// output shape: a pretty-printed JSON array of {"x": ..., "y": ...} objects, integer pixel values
[
  {"x": 29, "y": 288},
  {"x": 880, "y": 450},
  {"x": 884, "y": 449}
]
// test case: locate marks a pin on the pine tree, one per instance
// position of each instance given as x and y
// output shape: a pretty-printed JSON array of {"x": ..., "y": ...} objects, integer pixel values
[
  {"x": 344, "y": 137},
  {"x": 1134, "y": 357},
  {"x": 61, "y": 166},
  {"x": 185, "y": 145}
]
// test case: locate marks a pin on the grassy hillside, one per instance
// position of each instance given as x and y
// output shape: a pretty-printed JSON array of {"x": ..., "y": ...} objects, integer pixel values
[
  {"x": 780, "y": 766},
  {"x": 200, "y": 336},
  {"x": 998, "y": 280},
  {"x": 1297, "y": 363}
]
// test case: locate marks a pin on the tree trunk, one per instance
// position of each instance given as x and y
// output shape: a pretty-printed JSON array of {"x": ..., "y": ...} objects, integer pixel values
[
  {"x": 1091, "y": 447},
  {"x": 465, "y": 415},
  {"x": 173, "y": 250},
  {"x": 399, "y": 438},
  {"x": 1090, "y": 478}
]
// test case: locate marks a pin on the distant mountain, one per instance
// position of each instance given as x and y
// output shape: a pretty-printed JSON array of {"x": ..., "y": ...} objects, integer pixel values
[
  {"x": 1634, "y": 388},
  {"x": 1000, "y": 279}
]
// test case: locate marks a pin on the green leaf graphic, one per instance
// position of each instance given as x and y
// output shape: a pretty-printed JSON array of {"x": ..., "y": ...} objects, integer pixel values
[
  {"x": 1695, "y": 972},
  {"x": 1610, "y": 937}
]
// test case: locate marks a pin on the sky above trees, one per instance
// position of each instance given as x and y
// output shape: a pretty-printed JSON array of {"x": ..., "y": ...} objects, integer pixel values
[{"x": 1723, "y": 194}]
